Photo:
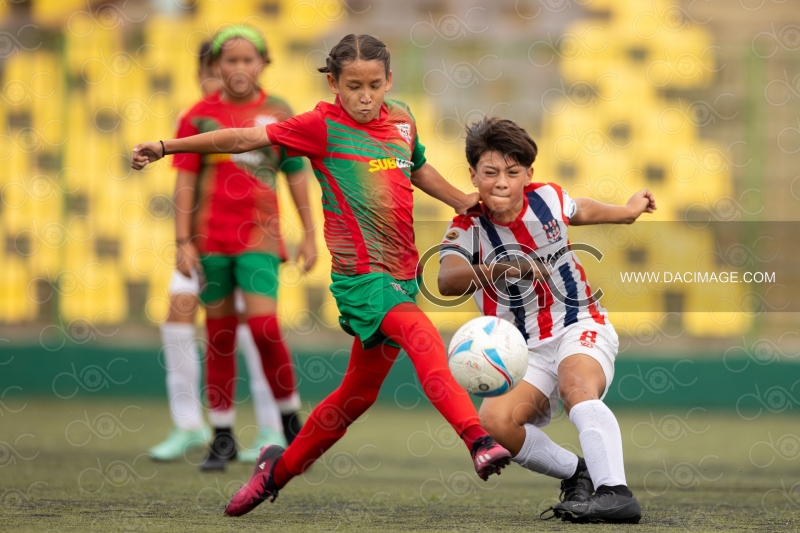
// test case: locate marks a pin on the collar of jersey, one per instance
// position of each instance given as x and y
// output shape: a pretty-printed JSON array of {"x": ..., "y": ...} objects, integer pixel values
[
  {"x": 506, "y": 224},
  {"x": 217, "y": 98},
  {"x": 379, "y": 119}
]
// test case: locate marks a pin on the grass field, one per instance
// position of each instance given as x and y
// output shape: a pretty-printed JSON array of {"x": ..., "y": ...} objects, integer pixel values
[{"x": 79, "y": 466}]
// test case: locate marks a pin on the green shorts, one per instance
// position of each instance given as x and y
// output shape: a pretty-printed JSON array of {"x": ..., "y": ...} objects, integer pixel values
[
  {"x": 253, "y": 272},
  {"x": 365, "y": 299}
]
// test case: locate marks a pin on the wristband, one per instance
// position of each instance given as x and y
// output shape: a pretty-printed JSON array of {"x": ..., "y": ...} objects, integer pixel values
[{"x": 163, "y": 149}]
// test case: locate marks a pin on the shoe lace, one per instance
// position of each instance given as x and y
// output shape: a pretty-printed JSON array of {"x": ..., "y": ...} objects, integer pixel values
[
  {"x": 567, "y": 489},
  {"x": 549, "y": 509}
]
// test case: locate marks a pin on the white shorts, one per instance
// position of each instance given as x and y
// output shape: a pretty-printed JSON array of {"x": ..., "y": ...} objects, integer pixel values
[
  {"x": 595, "y": 340},
  {"x": 180, "y": 284}
]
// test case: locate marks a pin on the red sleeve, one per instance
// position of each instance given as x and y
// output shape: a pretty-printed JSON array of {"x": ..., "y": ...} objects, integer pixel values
[
  {"x": 301, "y": 135},
  {"x": 189, "y": 162}
]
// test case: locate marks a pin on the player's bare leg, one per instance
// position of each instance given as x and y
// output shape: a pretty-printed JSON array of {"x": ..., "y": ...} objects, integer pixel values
[
  {"x": 581, "y": 383},
  {"x": 510, "y": 420}
]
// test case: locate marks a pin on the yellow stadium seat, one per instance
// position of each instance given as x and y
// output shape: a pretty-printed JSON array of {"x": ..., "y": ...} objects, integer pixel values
[
  {"x": 49, "y": 12},
  {"x": 16, "y": 305}
]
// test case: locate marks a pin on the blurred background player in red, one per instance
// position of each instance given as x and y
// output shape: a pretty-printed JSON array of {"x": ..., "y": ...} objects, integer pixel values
[
  {"x": 227, "y": 230},
  {"x": 180, "y": 359}
]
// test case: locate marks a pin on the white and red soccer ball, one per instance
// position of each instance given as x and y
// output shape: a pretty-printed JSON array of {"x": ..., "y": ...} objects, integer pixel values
[{"x": 488, "y": 356}]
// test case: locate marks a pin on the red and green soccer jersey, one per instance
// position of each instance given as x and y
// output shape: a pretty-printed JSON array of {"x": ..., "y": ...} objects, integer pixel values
[
  {"x": 237, "y": 205},
  {"x": 365, "y": 174}
]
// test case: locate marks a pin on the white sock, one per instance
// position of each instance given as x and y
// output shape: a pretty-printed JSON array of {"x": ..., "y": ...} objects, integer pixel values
[
  {"x": 183, "y": 374},
  {"x": 601, "y": 442},
  {"x": 267, "y": 414},
  {"x": 542, "y": 455},
  {"x": 223, "y": 418}
]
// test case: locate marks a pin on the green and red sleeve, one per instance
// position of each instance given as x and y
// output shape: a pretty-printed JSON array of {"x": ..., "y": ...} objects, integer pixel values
[{"x": 302, "y": 135}]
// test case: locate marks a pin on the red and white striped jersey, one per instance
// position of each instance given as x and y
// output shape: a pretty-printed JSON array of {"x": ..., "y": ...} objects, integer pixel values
[{"x": 541, "y": 227}]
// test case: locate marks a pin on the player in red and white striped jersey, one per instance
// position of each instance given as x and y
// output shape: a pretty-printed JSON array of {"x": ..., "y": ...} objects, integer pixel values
[
  {"x": 541, "y": 227},
  {"x": 512, "y": 252}
]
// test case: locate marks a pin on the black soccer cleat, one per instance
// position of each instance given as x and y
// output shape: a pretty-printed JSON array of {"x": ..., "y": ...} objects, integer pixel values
[
  {"x": 578, "y": 488},
  {"x": 222, "y": 450},
  {"x": 605, "y": 506}
]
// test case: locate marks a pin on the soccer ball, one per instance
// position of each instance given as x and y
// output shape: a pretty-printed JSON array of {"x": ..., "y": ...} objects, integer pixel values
[{"x": 488, "y": 356}]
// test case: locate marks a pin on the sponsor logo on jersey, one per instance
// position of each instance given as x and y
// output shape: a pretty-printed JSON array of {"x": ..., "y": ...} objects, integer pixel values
[
  {"x": 452, "y": 235},
  {"x": 553, "y": 258},
  {"x": 552, "y": 231},
  {"x": 253, "y": 158},
  {"x": 389, "y": 163},
  {"x": 405, "y": 131}
]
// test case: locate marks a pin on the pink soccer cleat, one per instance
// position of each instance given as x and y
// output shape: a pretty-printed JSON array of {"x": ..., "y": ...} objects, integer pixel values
[
  {"x": 259, "y": 487},
  {"x": 489, "y": 457}
]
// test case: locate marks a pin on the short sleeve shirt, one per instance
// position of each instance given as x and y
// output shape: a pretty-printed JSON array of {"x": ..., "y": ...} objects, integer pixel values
[
  {"x": 364, "y": 171},
  {"x": 237, "y": 204}
]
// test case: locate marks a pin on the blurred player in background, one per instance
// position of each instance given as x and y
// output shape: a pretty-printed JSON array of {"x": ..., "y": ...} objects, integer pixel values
[
  {"x": 178, "y": 335},
  {"x": 228, "y": 231},
  {"x": 366, "y": 153},
  {"x": 571, "y": 341}
]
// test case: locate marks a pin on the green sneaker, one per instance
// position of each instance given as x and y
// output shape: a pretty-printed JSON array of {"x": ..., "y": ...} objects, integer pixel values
[
  {"x": 265, "y": 437},
  {"x": 179, "y": 442}
]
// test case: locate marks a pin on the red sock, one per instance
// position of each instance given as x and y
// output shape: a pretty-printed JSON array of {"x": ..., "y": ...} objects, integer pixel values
[
  {"x": 221, "y": 362},
  {"x": 409, "y": 327},
  {"x": 328, "y": 422},
  {"x": 275, "y": 359}
]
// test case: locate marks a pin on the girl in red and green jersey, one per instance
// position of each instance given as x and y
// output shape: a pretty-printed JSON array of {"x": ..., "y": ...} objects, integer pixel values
[
  {"x": 366, "y": 155},
  {"x": 227, "y": 229}
]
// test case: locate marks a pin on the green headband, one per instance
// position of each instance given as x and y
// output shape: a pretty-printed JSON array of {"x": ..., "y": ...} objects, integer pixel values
[{"x": 245, "y": 32}]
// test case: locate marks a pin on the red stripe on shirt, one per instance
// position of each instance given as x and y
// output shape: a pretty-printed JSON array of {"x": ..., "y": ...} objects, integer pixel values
[
  {"x": 489, "y": 301},
  {"x": 462, "y": 222},
  {"x": 362, "y": 255},
  {"x": 599, "y": 318},
  {"x": 544, "y": 318},
  {"x": 522, "y": 235}
]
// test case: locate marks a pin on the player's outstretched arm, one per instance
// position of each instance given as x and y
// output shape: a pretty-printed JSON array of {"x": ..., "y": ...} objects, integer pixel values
[
  {"x": 226, "y": 141},
  {"x": 458, "y": 277},
  {"x": 594, "y": 212},
  {"x": 428, "y": 180}
]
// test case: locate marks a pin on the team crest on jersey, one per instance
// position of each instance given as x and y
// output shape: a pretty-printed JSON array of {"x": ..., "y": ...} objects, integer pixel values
[
  {"x": 405, "y": 131},
  {"x": 452, "y": 235},
  {"x": 552, "y": 230}
]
